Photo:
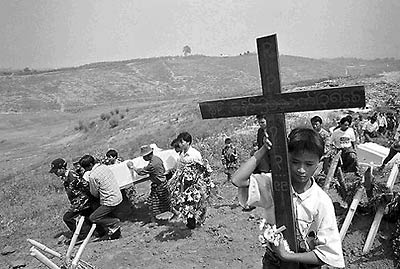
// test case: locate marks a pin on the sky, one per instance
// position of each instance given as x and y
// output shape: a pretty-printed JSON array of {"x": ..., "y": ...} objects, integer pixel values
[{"x": 66, "y": 33}]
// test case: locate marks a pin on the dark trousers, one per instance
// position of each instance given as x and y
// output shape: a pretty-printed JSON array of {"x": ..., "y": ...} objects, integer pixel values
[
  {"x": 392, "y": 153},
  {"x": 104, "y": 217},
  {"x": 70, "y": 220}
]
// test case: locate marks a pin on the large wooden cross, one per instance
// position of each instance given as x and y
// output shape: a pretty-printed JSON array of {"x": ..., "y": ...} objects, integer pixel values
[{"x": 274, "y": 104}]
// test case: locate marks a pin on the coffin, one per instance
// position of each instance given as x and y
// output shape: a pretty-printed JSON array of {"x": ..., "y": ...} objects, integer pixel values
[{"x": 124, "y": 175}]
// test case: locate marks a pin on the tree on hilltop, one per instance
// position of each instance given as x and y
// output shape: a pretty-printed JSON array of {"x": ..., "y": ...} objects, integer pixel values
[{"x": 187, "y": 50}]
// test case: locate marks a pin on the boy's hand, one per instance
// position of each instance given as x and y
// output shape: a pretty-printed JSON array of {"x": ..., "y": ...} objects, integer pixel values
[
  {"x": 280, "y": 250},
  {"x": 267, "y": 143},
  {"x": 130, "y": 165}
]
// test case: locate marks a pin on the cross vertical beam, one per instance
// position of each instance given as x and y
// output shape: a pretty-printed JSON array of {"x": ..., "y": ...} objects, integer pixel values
[{"x": 268, "y": 60}]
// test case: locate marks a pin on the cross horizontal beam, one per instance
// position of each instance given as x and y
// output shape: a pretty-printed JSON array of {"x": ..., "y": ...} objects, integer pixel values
[{"x": 324, "y": 99}]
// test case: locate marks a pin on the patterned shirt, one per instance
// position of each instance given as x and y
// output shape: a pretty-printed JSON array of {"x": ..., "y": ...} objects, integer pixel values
[
  {"x": 155, "y": 169},
  {"x": 103, "y": 183},
  {"x": 343, "y": 139},
  {"x": 77, "y": 190},
  {"x": 229, "y": 156}
]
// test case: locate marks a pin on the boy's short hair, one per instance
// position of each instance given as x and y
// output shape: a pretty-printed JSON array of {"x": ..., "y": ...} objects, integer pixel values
[
  {"x": 316, "y": 119},
  {"x": 261, "y": 116},
  {"x": 112, "y": 153},
  {"x": 175, "y": 143},
  {"x": 301, "y": 139},
  {"x": 185, "y": 136},
  {"x": 86, "y": 161},
  {"x": 349, "y": 119},
  {"x": 228, "y": 140}
]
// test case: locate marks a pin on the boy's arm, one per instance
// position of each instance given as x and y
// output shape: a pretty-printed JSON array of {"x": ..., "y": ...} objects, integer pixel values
[
  {"x": 241, "y": 177},
  {"x": 93, "y": 187},
  {"x": 305, "y": 257},
  {"x": 147, "y": 170}
]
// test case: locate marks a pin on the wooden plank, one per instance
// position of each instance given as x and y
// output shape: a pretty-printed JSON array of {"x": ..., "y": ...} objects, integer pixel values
[
  {"x": 267, "y": 48},
  {"x": 379, "y": 213},
  {"x": 312, "y": 100}
]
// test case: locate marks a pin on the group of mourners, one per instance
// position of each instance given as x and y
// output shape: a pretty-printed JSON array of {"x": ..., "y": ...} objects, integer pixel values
[{"x": 94, "y": 192}]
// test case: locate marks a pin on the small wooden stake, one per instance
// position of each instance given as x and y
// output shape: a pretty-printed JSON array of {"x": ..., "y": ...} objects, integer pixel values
[
  {"x": 380, "y": 211},
  {"x": 73, "y": 240},
  {"x": 354, "y": 205},
  {"x": 78, "y": 255},
  {"x": 44, "y": 248},
  {"x": 43, "y": 259}
]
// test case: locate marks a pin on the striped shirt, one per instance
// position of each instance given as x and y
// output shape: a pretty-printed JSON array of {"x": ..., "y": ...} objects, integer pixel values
[{"x": 103, "y": 183}]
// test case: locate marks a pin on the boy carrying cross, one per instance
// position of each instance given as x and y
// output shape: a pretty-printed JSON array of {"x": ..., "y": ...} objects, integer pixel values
[{"x": 317, "y": 233}]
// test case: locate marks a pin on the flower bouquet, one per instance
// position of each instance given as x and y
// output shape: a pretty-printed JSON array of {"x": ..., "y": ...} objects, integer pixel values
[{"x": 272, "y": 235}]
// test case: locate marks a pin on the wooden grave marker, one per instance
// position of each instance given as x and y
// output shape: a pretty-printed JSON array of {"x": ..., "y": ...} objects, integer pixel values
[{"x": 274, "y": 104}]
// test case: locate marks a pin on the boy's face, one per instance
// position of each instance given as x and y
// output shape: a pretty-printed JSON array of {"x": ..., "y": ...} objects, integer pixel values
[
  {"x": 60, "y": 172},
  {"x": 344, "y": 126},
  {"x": 177, "y": 148},
  {"x": 183, "y": 145},
  {"x": 302, "y": 166},
  {"x": 316, "y": 126},
  {"x": 262, "y": 123}
]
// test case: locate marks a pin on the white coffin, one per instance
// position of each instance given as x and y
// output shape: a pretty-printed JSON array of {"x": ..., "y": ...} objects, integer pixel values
[
  {"x": 373, "y": 153},
  {"x": 124, "y": 175}
]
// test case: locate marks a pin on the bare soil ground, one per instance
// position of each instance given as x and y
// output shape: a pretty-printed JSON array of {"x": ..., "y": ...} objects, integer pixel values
[{"x": 228, "y": 239}]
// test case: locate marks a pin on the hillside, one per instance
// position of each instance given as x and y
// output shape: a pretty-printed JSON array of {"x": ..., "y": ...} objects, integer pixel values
[
  {"x": 162, "y": 78},
  {"x": 151, "y": 100}
]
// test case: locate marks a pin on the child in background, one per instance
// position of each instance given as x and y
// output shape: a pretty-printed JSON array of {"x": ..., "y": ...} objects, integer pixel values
[
  {"x": 229, "y": 159},
  {"x": 317, "y": 232},
  {"x": 112, "y": 157},
  {"x": 344, "y": 139}
]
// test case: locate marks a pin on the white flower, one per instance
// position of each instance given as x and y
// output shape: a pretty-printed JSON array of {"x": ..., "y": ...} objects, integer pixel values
[{"x": 262, "y": 224}]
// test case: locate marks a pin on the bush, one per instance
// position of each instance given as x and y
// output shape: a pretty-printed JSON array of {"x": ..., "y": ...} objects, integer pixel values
[
  {"x": 113, "y": 122},
  {"x": 126, "y": 110},
  {"x": 82, "y": 126},
  {"x": 105, "y": 116},
  {"x": 116, "y": 111},
  {"x": 121, "y": 116}
]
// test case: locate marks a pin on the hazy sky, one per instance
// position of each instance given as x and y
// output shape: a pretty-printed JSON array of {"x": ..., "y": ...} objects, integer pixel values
[{"x": 61, "y": 33}]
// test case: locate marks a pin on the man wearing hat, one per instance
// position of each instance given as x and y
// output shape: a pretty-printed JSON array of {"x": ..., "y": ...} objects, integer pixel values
[
  {"x": 159, "y": 200},
  {"x": 78, "y": 194}
]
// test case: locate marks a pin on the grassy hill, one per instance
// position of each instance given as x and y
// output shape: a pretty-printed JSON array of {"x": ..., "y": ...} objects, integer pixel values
[{"x": 162, "y": 78}]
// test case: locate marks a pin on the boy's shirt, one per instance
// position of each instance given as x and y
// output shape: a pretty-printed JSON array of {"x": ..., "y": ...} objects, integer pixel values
[
  {"x": 229, "y": 156},
  {"x": 316, "y": 227},
  {"x": 103, "y": 184},
  {"x": 343, "y": 139},
  {"x": 190, "y": 156},
  {"x": 371, "y": 127},
  {"x": 77, "y": 190}
]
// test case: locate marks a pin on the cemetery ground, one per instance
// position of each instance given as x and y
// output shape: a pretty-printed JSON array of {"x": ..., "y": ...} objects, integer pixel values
[{"x": 33, "y": 200}]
